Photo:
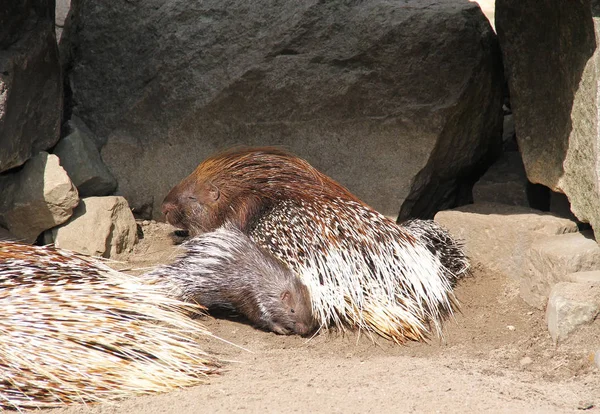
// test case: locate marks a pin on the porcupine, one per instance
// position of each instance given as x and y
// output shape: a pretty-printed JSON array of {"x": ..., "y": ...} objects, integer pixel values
[
  {"x": 362, "y": 269},
  {"x": 74, "y": 330},
  {"x": 225, "y": 268}
]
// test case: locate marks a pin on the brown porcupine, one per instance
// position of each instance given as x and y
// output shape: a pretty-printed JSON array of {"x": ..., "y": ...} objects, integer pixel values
[
  {"x": 362, "y": 269},
  {"x": 224, "y": 268},
  {"x": 73, "y": 330}
]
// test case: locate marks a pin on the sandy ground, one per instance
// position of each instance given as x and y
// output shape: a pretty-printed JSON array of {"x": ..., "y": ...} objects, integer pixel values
[{"x": 496, "y": 356}]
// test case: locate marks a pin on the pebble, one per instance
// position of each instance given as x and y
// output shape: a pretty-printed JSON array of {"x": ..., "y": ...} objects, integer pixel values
[
  {"x": 510, "y": 328},
  {"x": 525, "y": 361}
]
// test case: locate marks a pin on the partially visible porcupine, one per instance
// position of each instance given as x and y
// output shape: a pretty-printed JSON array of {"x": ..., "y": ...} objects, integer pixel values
[
  {"x": 74, "y": 330},
  {"x": 225, "y": 268},
  {"x": 362, "y": 269}
]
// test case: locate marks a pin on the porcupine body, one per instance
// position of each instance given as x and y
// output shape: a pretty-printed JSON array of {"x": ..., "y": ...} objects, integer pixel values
[
  {"x": 362, "y": 269},
  {"x": 225, "y": 269},
  {"x": 73, "y": 330}
]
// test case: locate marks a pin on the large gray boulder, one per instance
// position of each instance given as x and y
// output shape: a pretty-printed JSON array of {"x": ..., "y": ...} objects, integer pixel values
[
  {"x": 31, "y": 92},
  {"x": 384, "y": 96},
  {"x": 552, "y": 66}
]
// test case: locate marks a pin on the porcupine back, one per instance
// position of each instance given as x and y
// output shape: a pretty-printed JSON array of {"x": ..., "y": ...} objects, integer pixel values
[
  {"x": 224, "y": 268},
  {"x": 73, "y": 330},
  {"x": 361, "y": 269}
]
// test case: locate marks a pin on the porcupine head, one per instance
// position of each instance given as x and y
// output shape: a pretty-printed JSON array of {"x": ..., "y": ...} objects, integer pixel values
[{"x": 238, "y": 185}]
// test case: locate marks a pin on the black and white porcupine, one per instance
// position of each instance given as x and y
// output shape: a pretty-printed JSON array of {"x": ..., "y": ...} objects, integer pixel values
[
  {"x": 362, "y": 269},
  {"x": 224, "y": 268},
  {"x": 74, "y": 330}
]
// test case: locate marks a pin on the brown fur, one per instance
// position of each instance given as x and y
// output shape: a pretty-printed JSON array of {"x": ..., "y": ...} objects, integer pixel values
[{"x": 238, "y": 184}]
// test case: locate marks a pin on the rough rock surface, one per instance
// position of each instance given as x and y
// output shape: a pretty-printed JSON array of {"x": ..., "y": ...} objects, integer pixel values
[
  {"x": 100, "y": 226},
  {"x": 505, "y": 182},
  {"x": 571, "y": 305},
  {"x": 75, "y": 124},
  {"x": 6, "y": 235},
  {"x": 591, "y": 276},
  {"x": 498, "y": 236},
  {"x": 552, "y": 259},
  {"x": 36, "y": 198},
  {"x": 80, "y": 158},
  {"x": 552, "y": 67},
  {"x": 367, "y": 92},
  {"x": 31, "y": 92}
]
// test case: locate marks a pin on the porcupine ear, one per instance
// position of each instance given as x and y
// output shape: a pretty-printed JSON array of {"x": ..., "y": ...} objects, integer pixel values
[
  {"x": 210, "y": 193},
  {"x": 286, "y": 298}
]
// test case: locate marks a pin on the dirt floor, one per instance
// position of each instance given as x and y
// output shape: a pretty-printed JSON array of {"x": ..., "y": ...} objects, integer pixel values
[{"x": 496, "y": 356}]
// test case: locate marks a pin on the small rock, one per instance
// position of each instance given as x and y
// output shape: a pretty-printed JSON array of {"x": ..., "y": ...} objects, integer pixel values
[
  {"x": 80, "y": 158},
  {"x": 37, "y": 198},
  {"x": 525, "y": 361},
  {"x": 511, "y": 328},
  {"x": 100, "y": 226},
  {"x": 571, "y": 305},
  {"x": 585, "y": 405}
]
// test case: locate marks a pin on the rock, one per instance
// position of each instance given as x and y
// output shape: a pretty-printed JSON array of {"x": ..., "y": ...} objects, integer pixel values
[
  {"x": 504, "y": 182},
  {"x": 525, "y": 361},
  {"x": 552, "y": 258},
  {"x": 591, "y": 276},
  {"x": 100, "y": 226},
  {"x": 80, "y": 158},
  {"x": 38, "y": 197},
  {"x": 508, "y": 132},
  {"x": 498, "y": 236},
  {"x": 62, "y": 13},
  {"x": 554, "y": 84},
  {"x": 571, "y": 305},
  {"x": 383, "y": 96},
  {"x": 75, "y": 124},
  {"x": 31, "y": 91},
  {"x": 6, "y": 235}
]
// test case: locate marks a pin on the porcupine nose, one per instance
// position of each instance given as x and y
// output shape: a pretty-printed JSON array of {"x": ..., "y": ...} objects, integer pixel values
[{"x": 301, "y": 329}]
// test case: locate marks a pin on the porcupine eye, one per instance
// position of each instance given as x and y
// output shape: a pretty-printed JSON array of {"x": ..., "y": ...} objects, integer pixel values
[{"x": 292, "y": 310}]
